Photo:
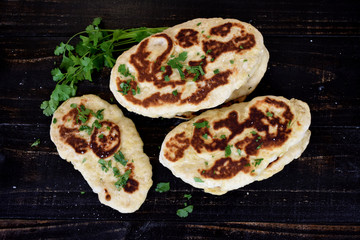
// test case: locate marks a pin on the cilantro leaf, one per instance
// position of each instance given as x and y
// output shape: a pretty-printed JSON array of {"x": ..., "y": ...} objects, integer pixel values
[
  {"x": 184, "y": 212},
  {"x": 201, "y": 124},
  {"x": 123, "y": 179},
  {"x": 228, "y": 150},
  {"x": 196, "y": 179},
  {"x": 93, "y": 51},
  {"x": 119, "y": 157},
  {"x": 162, "y": 187},
  {"x": 36, "y": 143}
]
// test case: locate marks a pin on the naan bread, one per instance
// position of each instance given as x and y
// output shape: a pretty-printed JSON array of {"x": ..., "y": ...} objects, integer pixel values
[
  {"x": 195, "y": 65},
  {"x": 115, "y": 133},
  {"x": 228, "y": 148}
]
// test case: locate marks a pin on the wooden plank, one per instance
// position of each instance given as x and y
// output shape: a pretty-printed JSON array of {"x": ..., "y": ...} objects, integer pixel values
[
  {"x": 31, "y": 229},
  {"x": 64, "y": 18}
]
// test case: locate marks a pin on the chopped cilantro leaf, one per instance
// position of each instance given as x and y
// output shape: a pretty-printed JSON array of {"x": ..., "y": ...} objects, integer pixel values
[
  {"x": 162, "y": 69},
  {"x": 167, "y": 78},
  {"x": 36, "y": 143},
  {"x": 97, "y": 124},
  {"x": 232, "y": 61},
  {"x": 123, "y": 179},
  {"x": 258, "y": 147},
  {"x": 162, "y": 187},
  {"x": 105, "y": 165},
  {"x": 289, "y": 124},
  {"x": 239, "y": 152},
  {"x": 222, "y": 136},
  {"x": 119, "y": 157},
  {"x": 188, "y": 196},
  {"x": 86, "y": 128},
  {"x": 82, "y": 193},
  {"x": 201, "y": 124},
  {"x": 253, "y": 132},
  {"x": 184, "y": 212},
  {"x": 84, "y": 160},
  {"x": 175, "y": 92},
  {"x": 196, "y": 179},
  {"x": 208, "y": 51},
  {"x": 258, "y": 161},
  {"x": 108, "y": 128},
  {"x": 247, "y": 165},
  {"x": 216, "y": 71},
  {"x": 245, "y": 60},
  {"x": 198, "y": 24},
  {"x": 73, "y": 105},
  {"x": 101, "y": 136},
  {"x": 241, "y": 47},
  {"x": 269, "y": 114},
  {"x": 228, "y": 150},
  {"x": 205, "y": 136},
  {"x": 176, "y": 63},
  {"x": 125, "y": 71},
  {"x": 206, "y": 163},
  {"x": 208, "y": 36},
  {"x": 54, "y": 120}
]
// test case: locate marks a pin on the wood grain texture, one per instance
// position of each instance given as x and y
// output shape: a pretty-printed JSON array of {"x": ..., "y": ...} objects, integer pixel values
[{"x": 314, "y": 56}]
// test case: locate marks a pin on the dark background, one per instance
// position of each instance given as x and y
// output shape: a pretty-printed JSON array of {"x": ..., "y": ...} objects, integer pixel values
[{"x": 314, "y": 57}]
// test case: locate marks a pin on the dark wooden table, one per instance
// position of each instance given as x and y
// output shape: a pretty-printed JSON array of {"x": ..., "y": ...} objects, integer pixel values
[{"x": 314, "y": 56}]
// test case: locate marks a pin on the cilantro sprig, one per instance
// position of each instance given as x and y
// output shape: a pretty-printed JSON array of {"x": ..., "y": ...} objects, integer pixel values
[{"x": 93, "y": 52}]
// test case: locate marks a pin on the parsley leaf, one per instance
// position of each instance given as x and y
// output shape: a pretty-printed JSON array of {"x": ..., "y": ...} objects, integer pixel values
[
  {"x": 162, "y": 187},
  {"x": 175, "y": 92},
  {"x": 105, "y": 165}
]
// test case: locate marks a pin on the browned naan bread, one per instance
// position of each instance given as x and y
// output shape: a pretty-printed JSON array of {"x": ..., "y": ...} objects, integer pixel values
[
  {"x": 220, "y": 60},
  {"x": 122, "y": 185},
  {"x": 228, "y": 148}
]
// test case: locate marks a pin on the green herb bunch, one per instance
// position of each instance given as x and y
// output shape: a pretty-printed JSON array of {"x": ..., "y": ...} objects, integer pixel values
[{"x": 94, "y": 51}]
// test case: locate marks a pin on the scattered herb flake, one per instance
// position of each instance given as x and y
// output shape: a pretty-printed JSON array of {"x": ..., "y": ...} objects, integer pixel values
[
  {"x": 54, "y": 120},
  {"x": 241, "y": 47},
  {"x": 258, "y": 161},
  {"x": 167, "y": 78},
  {"x": 206, "y": 163},
  {"x": 245, "y": 60},
  {"x": 122, "y": 179},
  {"x": 184, "y": 212},
  {"x": 239, "y": 152},
  {"x": 123, "y": 70},
  {"x": 162, "y": 187},
  {"x": 289, "y": 124},
  {"x": 162, "y": 69},
  {"x": 205, "y": 136},
  {"x": 175, "y": 92},
  {"x": 223, "y": 137},
  {"x": 196, "y": 179},
  {"x": 208, "y": 36},
  {"x": 216, "y": 71},
  {"x": 228, "y": 150},
  {"x": 82, "y": 193},
  {"x": 84, "y": 160},
  {"x": 119, "y": 157},
  {"x": 105, "y": 165},
  {"x": 198, "y": 24},
  {"x": 258, "y": 147},
  {"x": 201, "y": 124},
  {"x": 101, "y": 136},
  {"x": 36, "y": 143},
  {"x": 253, "y": 132},
  {"x": 269, "y": 114},
  {"x": 188, "y": 196},
  {"x": 108, "y": 128},
  {"x": 232, "y": 61},
  {"x": 208, "y": 51}
]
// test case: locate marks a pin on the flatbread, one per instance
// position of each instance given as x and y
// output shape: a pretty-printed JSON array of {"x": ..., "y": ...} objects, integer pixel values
[
  {"x": 228, "y": 148},
  {"x": 84, "y": 149},
  {"x": 220, "y": 60}
]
